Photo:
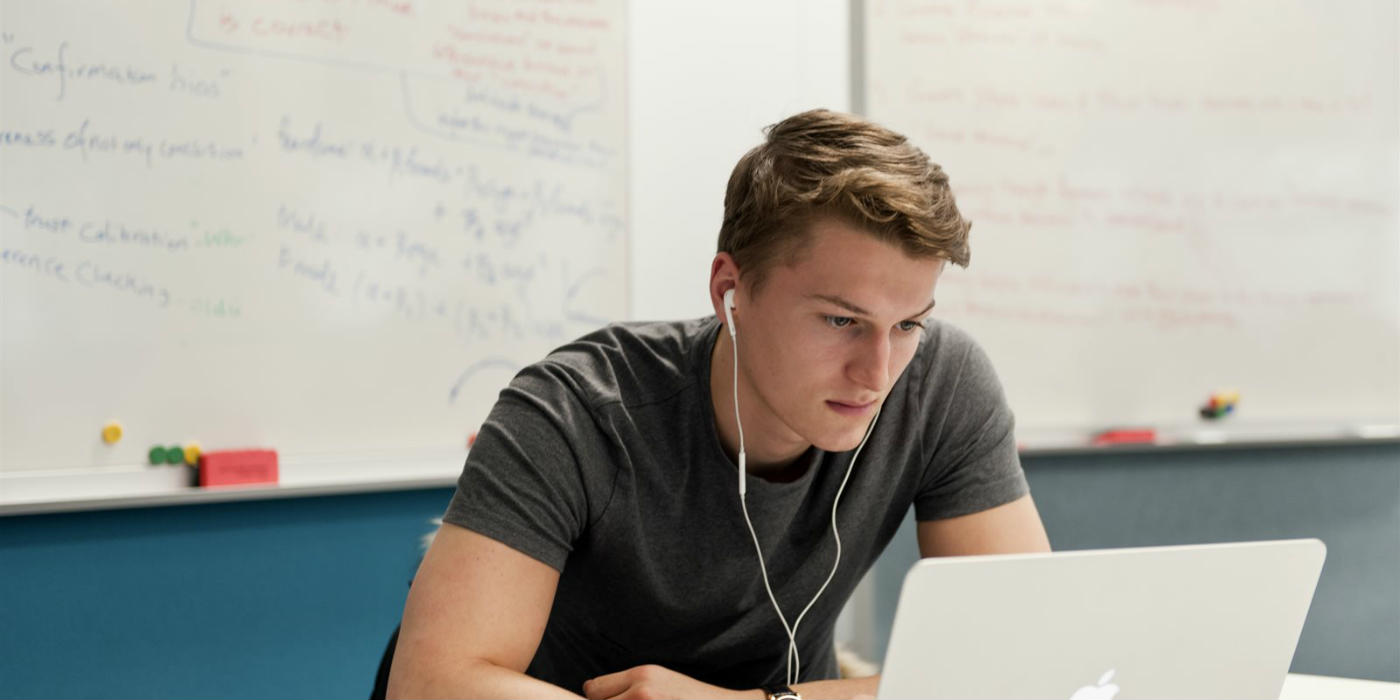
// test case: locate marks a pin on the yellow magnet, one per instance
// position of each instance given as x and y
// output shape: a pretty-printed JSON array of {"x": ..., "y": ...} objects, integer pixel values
[
  {"x": 111, "y": 432},
  {"x": 191, "y": 453}
]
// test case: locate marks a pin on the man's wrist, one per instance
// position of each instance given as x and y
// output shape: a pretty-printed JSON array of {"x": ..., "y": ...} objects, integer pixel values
[{"x": 780, "y": 691}]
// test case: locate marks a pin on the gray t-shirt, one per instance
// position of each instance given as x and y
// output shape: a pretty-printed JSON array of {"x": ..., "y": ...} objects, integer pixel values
[{"x": 603, "y": 461}]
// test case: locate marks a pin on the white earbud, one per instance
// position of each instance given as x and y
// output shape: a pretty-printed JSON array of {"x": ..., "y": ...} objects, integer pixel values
[{"x": 729, "y": 311}]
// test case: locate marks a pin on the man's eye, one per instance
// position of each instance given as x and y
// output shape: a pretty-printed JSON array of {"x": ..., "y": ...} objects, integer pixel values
[
  {"x": 839, "y": 321},
  {"x": 910, "y": 326}
]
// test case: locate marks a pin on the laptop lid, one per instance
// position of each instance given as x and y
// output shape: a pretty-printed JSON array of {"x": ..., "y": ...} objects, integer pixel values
[{"x": 1200, "y": 621}]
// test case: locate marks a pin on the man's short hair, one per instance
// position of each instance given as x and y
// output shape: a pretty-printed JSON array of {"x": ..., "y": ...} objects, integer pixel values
[{"x": 821, "y": 163}]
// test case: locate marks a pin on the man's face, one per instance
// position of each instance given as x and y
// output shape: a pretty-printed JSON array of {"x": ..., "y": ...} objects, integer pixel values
[{"x": 825, "y": 338}]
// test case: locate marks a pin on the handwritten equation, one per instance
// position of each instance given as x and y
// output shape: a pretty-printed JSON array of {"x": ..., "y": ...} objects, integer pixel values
[{"x": 322, "y": 184}]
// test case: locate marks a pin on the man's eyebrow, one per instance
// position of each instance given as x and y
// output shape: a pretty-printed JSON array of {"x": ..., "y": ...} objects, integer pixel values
[{"x": 838, "y": 301}]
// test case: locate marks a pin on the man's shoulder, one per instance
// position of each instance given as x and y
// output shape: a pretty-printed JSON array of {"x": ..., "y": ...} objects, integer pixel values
[{"x": 630, "y": 362}]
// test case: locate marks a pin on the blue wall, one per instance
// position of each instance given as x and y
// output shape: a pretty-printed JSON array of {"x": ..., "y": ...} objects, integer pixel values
[
  {"x": 257, "y": 599},
  {"x": 296, "y": 597}
]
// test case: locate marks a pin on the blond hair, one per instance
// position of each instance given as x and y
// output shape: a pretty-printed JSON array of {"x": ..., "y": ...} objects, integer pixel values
[{"x": 821, "y": 163}]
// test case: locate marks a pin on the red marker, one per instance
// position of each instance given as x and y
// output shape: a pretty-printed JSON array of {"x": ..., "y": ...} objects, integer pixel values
[
  {"x": 231, "y": 467},
  {"x": 1126, "y": 436}
]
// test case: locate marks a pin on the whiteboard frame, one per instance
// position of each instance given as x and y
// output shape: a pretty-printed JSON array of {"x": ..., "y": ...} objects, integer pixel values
[
  {"x": 29, "y": 493},
  {"x": 47, "y": 491}
]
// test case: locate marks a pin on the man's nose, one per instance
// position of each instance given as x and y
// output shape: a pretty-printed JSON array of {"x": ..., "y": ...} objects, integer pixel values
[{"x": 871, "y": 366}]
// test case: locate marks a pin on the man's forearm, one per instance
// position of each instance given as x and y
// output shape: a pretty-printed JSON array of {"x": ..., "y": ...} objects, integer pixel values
[
  {"x": 481, "y": 679},
  {"x": 839, "y": 689}
]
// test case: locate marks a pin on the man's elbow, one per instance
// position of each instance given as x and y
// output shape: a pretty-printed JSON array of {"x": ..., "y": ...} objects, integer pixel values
[{"x": 410, "y": 679}]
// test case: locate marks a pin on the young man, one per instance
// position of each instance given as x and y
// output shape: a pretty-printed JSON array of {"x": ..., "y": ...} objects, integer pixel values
[{"x": 598, "y": 541}]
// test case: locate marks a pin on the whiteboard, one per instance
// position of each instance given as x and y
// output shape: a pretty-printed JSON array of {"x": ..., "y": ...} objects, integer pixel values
[
  {"x": 1169, "y": 198},
  {"x": 329, "y": 228}
]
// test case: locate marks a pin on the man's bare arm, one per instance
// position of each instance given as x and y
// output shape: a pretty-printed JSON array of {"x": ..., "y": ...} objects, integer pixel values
[
  {"x": 840, "y": 688},
  {"x": 651, "y": 681},
  {"x": 474, "y": 618}
]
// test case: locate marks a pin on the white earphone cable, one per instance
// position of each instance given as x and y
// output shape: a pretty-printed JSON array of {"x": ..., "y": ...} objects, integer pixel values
[
  {"x": 835, "y": 534},
  {"x": 743, "y": 505}
]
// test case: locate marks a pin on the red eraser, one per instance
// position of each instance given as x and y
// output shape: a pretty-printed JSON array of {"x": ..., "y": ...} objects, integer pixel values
[
  {"x": 230, "y": 467},
  {"x": 1126, "y": 436}
]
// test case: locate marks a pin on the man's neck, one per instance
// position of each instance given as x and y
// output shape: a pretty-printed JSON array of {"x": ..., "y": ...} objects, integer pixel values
[{"x": 764, "y": 457}]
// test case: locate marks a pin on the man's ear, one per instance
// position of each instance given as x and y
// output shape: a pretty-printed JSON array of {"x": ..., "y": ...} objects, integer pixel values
[{"x": 724, "y": 277}]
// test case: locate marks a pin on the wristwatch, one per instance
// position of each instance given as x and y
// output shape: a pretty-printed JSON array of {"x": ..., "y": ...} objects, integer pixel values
[{"x": 781, "y": 692}]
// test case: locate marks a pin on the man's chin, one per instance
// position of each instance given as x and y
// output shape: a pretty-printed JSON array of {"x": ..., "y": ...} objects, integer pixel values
[{"x": 841, "y": 442}]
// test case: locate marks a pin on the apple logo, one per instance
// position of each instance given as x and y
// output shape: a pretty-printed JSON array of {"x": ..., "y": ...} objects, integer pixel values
[{"x": 1103, "y": 691}]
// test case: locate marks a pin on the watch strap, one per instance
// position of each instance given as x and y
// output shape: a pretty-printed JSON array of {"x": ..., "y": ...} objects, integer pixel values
[{"x": 780, "y": 691}]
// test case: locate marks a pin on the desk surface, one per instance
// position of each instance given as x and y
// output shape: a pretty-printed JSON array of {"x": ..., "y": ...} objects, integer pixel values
[{"x": 1299, "y": 686}]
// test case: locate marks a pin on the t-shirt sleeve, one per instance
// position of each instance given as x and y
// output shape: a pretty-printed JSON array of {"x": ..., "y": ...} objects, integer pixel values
[
  {"x": 974, "y": 464},
  {"x": 522, "y": 483}
]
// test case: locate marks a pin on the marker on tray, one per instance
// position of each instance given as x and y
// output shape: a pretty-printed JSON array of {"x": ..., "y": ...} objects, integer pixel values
[{"x": 1126, "y": 436}]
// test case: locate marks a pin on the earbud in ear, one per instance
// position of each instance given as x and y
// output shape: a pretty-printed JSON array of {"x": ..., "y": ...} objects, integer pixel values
[{"x": 729, "y": 311}]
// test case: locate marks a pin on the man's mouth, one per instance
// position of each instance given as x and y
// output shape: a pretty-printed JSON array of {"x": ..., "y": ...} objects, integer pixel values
[{"x": 851, "y": 408}]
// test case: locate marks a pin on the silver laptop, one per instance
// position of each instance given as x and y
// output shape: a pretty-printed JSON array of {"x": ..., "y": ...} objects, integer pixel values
[{"x": 1202, "y": 621}]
